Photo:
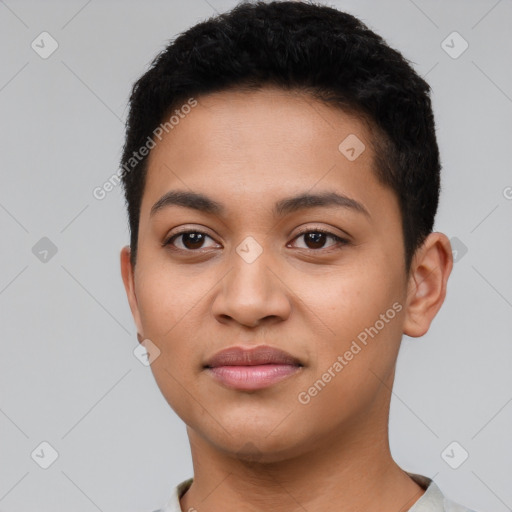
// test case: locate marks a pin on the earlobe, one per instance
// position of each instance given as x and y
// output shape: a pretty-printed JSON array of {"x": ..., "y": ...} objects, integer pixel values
[
  {"x": 430, "y": 269},
  {"x": 127, "y": 273}
]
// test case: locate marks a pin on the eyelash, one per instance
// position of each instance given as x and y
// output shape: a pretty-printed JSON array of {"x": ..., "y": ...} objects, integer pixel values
[{"x": 339, "y": 240}]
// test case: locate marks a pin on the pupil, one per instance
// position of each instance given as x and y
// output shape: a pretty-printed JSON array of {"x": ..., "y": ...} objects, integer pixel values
[
  {"x": 195, "y": 238},
  {"x": 316, "y": 238}
]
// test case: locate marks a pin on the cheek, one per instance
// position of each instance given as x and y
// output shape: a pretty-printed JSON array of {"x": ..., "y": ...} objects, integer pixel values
[
  {"x": 168, "y": 319},
  {"x": 174, "y": 386},
  {"x": 348, "y": 300},
  {"x": 166, "y": 298},
  {"x": 359, "y": 314},
  {"x": 350, "y": 369},
  {"x": 169, "y": 316}
]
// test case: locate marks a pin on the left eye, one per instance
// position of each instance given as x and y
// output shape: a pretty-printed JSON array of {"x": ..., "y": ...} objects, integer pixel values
[{"x": 318, "y": 237}]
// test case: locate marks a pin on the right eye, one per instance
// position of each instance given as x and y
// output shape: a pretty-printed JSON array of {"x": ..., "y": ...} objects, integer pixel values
[{"x": 191, "y": 240}]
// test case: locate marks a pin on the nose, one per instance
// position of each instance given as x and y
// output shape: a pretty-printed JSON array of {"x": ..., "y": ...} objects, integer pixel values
[{"x": 252, "y": 294}]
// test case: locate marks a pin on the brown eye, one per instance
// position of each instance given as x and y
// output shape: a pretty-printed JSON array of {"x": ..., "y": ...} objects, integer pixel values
[
  {"x": 190, "y": 240},
  {"x": 316, "y": 239}
]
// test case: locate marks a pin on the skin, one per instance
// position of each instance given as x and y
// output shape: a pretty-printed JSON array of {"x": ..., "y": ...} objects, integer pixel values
[{"x": 264, "y": 450}]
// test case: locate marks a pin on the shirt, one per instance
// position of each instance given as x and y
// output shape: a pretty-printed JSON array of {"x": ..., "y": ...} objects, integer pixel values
[{"x": 433, "y": 500}]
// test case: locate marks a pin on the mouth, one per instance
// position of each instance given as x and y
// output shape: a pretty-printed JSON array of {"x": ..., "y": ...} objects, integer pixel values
[{"x": 252, "y": 369}]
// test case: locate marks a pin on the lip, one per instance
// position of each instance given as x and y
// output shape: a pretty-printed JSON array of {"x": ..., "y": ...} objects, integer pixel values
[{"x": 251, "y": 369}]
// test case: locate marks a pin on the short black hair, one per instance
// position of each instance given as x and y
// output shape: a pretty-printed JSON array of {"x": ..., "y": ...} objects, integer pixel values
[{"x": 298, "y": 46}]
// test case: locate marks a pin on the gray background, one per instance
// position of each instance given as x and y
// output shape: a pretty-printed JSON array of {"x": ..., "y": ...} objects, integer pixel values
[{"x": 68, "y": 375}]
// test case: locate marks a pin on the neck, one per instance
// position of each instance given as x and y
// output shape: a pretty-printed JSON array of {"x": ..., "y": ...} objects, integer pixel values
[{"x": 351, "y": 471}]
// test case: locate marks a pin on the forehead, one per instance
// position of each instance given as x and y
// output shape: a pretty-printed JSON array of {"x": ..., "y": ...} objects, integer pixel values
[
  {"x": 280, "y": 123},
  {"x": 261, "y": 144}
]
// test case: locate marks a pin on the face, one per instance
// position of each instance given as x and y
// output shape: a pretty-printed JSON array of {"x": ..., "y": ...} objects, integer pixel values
[{"x": 255, "y": 263}]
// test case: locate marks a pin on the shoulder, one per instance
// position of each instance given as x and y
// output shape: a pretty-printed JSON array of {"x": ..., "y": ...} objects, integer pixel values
[
  {"x": 433, "y": 499},
  {"x": 173, "y": 505}
]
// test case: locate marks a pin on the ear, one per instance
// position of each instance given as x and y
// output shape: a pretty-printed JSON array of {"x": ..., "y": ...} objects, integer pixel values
[
  {"x": 128, "y": 274},
  {"x": 426, "y": 289}
]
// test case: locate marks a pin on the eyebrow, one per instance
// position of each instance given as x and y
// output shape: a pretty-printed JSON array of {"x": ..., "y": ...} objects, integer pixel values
[{"x": 203, "y": 203}]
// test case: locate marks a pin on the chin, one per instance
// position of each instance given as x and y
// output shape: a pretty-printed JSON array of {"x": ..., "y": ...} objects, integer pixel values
[{"x": 260, "y": 445}]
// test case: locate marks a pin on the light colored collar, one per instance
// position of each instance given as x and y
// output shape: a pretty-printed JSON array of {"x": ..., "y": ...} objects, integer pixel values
[{"x": 432, "y": 499}]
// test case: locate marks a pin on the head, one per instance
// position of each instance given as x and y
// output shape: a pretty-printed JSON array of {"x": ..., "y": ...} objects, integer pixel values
[{"x": 297, "y": 151}]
